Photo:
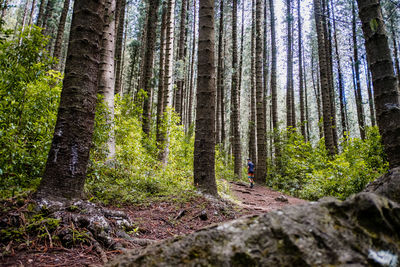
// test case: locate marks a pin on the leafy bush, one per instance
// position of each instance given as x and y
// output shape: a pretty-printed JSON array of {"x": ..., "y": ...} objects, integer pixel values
[
  {"x": 29, "y": 97},
  {"x": 307, "y": 172}
]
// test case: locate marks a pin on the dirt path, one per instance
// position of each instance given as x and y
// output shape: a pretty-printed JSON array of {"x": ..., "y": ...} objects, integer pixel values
[{"x": 261, "y": 199}]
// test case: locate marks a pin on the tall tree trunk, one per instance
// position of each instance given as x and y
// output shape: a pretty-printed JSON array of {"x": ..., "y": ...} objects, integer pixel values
[
  {"x": 169, "y": 54},
  {"x": 65, "y": 171},
  {"x": 39, "y": 20},
  {"x": 252, "y": 102},
  {"x": 273, "y": 85},
  {"x": 160, "y": 95},
  {"x": 235, "y": 117},
  {"x": 60, "y": 34},
  {"x": 328, "y": 42},
  {"x": 386, "y": 94},
  {"x": 261, "y": 169},
  {"x": 289, "y": 64},
  {"x": 145, "y": 81},
  {"x": 106, "y": 73},
  {"x": 241, "y": 56},
  {"x": 181, "y": 57},
  {"x": 23, "y": 24},
  {"x": 31, "y": 12},
  {"x": 48, "y": 15},
  {"x": 301, "y": 89},
  {"x": 324, "y": 78},
  {"x": 357, "y": 89},
  {"x": 340, "y": 77},
  {"x": 204, "y": 144},
  {"x": 219, "y": 73},
  {"x": 118, "y": 48},
  {"x": 191, "y": 85}
]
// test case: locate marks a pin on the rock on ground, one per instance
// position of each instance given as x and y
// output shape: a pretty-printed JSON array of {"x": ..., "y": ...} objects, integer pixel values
[
  {"x": 387, "y": 185},
  {"x": 361, "y": 231}
]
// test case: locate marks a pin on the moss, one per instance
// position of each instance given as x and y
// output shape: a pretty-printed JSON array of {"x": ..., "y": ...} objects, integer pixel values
[{"x": 243, "y": 259}]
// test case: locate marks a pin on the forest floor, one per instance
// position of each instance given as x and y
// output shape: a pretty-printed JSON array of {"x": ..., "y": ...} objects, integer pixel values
[{"x": 155, "y": 221}]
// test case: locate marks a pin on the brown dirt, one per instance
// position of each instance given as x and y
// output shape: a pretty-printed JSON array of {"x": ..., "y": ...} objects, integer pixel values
[{"x": 156, "y": 221}]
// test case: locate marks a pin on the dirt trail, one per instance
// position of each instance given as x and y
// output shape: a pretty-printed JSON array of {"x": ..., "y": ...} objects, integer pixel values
[{"x": 260, "y": 199}]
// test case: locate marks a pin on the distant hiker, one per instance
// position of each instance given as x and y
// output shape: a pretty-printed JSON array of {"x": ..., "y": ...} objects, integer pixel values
[{"x": 250, "y": 172}]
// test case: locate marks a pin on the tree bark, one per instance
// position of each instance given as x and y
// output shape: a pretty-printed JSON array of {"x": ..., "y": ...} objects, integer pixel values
[
  {"x": 370, "y": 94},
  {"x": 168, "y": 70},
  {"x": 160, "y": 95},
  {"x": 65, "y": 171},
  {"x": 301, "y": 88},
  {"x": 181, "y": 58},
  {"x": 386, "y": 94},
  {"x": 289, "y": 64},
  {"x": 119, "y": 46},
  {"x": 204, "y": 144},
  {"x": 357, "y": 89},
  {"x": 261, "y": 168},
  {"x": 235, "y": 114},
  {"x": 48, "y": 15},
  {"x": 147, "y": 64},
  {"x": 220, "y": 74},
  {"x": 252, "y": 102},
  {"x": 342, "y": 93},
  {"x": 273, "y": 85},
  {"x": 106, "y": 73},
  {"x": 324, "y": 78},
  {"x": 191, "y": 86},
  {"x": 39, "y": 20},
  {"x": 60, "y": 34}
]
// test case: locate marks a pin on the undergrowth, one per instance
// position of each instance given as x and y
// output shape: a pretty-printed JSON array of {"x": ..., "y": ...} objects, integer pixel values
[{"x": 306, "y": 171}]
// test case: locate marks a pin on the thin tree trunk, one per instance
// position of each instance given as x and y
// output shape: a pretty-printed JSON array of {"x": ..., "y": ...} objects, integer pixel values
[
  {"x": 60, "y": 34},
  {"x": 241, "y": 55},
  {"x": 39, "y": 20},
  {"x": 145, "y": 81},
  {"x": 168, "y": 70},
  {"x": 273, "y": 85},
  {"x": 252, "y": 102},
  {"x": 340, "y": 77},
  {"x": 358, "y": 97},
  {"x": 160, "y": 95},
  {"x": 118, "y": 48},
  {"x": 204, "y": 145},
  {"x": 395, "y": 51},
  {"x": 31, "y": 12},
  {"x": 48, "y": 15},
  {"x": 301, "y": 89},
  {"x": 181, "y": 58},
  {"x": 324, "y": 77},
  {"x": 386, "y": 94},
  {"x": 261, "y": 169},
  {"x": 191, "y": 86},
  {"x": 306, "y": 99},
  {"x": 65, "y": 171},
  {"x": 106, "y": 73},
  {"x": 289, "y": 64},
  {"x": 370, "y": 93},
  {"x": 219, "y": 73},
  {"x": 317, "y": 96},
  {"x": 235, "y": 114}
]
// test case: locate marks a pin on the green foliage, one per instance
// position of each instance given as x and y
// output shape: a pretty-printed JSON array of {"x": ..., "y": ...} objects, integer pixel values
[
  {"x": 307, "y": 172},
  {"x": 29, "y": 97},
  {"x": 136, "y": 173}
]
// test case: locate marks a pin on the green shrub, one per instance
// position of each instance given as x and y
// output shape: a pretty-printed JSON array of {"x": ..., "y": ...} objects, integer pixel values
[
  {"x": 307, "y": 172},
  {"x": 29, "y": 97}
]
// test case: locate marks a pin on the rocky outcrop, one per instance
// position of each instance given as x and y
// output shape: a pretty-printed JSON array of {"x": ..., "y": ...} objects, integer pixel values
[
  {"x": 387, "y": 185},
  {"x": 361, "y": 231}
]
